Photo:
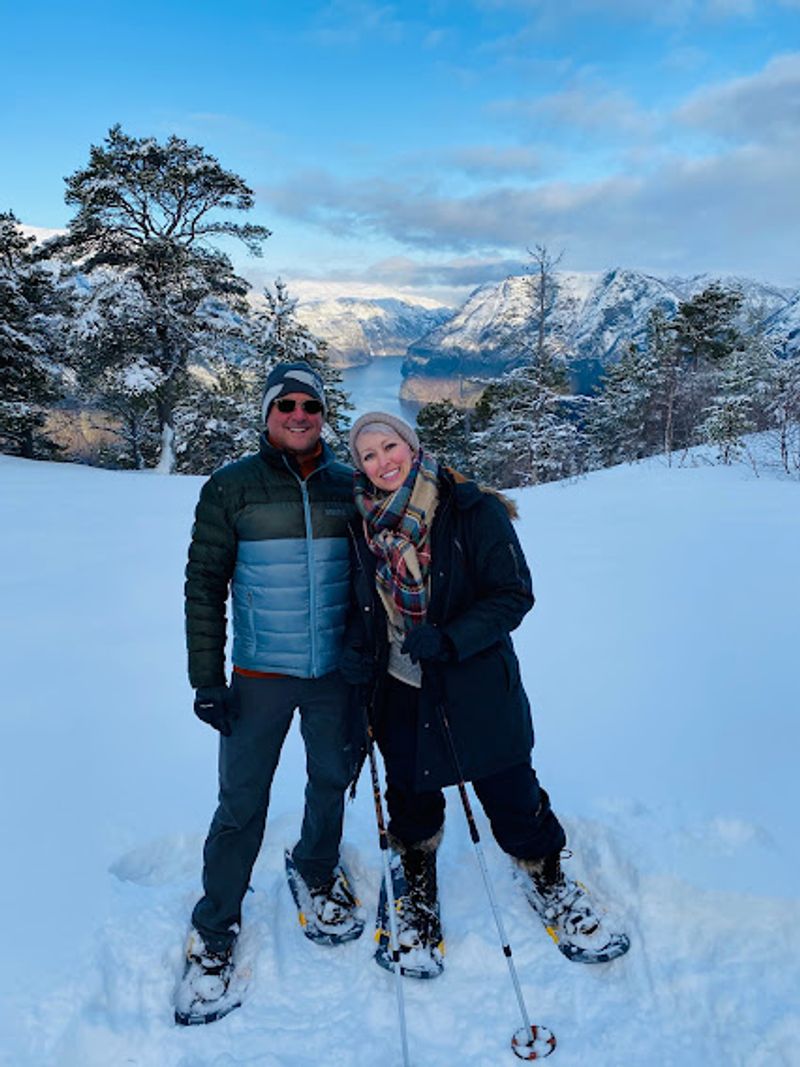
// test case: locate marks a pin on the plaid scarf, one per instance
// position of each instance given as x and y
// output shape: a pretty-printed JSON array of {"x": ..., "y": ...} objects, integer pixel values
[{"x": 396, "y": 528}]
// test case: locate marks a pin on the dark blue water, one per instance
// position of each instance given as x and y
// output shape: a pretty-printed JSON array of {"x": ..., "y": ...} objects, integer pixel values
[{"x": 376, "y": 387}]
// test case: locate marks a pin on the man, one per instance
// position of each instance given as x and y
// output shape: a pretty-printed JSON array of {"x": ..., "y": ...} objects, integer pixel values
[{"x": 271, "y": 529}]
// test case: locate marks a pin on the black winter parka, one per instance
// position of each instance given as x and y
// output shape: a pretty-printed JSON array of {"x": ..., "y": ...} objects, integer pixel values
[{"x": 480, "y": 591}]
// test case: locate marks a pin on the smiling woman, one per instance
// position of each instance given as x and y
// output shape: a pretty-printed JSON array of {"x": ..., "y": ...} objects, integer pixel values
[
  {"x": 439, "y": 582},
  {"x": 384, "y": 447},
  {"x": 385, "y": 457}
]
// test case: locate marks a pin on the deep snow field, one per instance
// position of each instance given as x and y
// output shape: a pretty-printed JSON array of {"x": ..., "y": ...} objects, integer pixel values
[{"x": 661, "y": 660}]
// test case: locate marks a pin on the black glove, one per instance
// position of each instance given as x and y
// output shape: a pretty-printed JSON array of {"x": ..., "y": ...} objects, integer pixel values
[
  {"x": 217, "y": 705},
  {"x": 426, "y": 642},
  {"x": 357, "y": 668}
]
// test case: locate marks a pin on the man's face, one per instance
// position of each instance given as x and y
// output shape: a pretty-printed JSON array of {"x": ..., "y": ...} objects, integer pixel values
[{"x": 297, "y": 430}]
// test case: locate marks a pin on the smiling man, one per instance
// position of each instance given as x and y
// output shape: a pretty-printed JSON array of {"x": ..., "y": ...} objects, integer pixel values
[{"x": 271, "y": 530}]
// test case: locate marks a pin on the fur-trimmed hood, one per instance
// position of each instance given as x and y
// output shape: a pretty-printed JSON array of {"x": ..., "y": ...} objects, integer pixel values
[{"x": 467, "y": 492}]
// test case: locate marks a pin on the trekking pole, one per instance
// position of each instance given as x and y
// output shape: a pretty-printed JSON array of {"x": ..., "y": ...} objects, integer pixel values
[
  {"x": 531, "y": 1042},
  {"x": 383, "y": 839}
]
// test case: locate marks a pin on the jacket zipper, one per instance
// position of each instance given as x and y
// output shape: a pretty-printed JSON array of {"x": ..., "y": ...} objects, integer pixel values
[{"x": 312, "y": 589}]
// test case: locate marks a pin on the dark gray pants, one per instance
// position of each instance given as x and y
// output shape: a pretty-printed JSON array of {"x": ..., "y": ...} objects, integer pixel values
[{"x": 247, "y": 763}]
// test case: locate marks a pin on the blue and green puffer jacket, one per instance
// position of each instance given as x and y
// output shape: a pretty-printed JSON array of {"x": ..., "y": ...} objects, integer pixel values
[{"x": 279, "y": 545}]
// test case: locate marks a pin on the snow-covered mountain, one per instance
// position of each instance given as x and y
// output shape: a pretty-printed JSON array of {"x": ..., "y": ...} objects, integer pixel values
[
  {"x": 784, "y": 326},
  {"x": 594, "y": 316},
  {"x": 358, "y": 328}
]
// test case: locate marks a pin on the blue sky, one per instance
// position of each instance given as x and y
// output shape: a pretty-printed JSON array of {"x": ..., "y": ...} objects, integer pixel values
[{"x": 428, "y": 144}]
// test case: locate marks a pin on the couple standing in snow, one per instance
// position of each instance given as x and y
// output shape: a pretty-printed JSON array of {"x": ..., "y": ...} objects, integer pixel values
[{"x": 394, "y": 589}]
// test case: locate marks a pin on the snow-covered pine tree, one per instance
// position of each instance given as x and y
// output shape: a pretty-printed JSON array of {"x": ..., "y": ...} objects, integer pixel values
[
  {"x": 703, "y": 334},
  {"x": 277, "y": 336},
  {"x": 783, "y": 406},
  {"x": 668, "y": 377},
  {"x": 148, "y": 218},
  {"x": 731, "y": 412},
  {"x": 218, "y": 422},
  {"x": 705, "y": 327},
  {"x": 527, "y": 425},
  {"x": 109, "y": 348},
  {"x": 527, "y": 432},
  {"x": 445, "y": 431},
  {"x": 622, "y": 420},
  {"x": 33, "y": 311}
]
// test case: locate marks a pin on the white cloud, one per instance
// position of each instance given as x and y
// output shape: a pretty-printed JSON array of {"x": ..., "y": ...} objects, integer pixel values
[
  {"x": 587, "y": 108},
  {"x": 494, "y": 161},
  {"x": 759, "y": 108},
  {"x": 430, "y": 281},
  {"x": 676, "y": 202},
  {"x": 735, "y": 211}
]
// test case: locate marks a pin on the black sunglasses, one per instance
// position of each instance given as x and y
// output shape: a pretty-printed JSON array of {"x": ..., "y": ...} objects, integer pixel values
[{"x": 311, "y": 407}]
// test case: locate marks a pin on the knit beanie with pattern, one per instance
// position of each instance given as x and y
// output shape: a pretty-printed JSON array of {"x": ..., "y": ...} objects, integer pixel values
[{"x": 292, "y": 378}]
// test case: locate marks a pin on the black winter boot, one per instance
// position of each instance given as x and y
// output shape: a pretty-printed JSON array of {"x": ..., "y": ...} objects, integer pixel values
[
  {"x": 419, "y": 929},
  {"x": 419, "y": 914},
  {"x": 206, "y": 991},
  {"x": 567, "y": 912},
  {"x": 559, "y": 899}
]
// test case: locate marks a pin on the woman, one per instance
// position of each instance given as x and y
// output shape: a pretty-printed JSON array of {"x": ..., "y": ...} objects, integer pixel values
[{"x": 440, "y": 582}]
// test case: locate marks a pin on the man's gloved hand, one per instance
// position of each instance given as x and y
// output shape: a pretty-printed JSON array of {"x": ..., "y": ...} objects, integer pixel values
[
  {"x": 218, "y": 706},
  {"x": 426, "y": 642},
  {"x": 357, "y": 668}
]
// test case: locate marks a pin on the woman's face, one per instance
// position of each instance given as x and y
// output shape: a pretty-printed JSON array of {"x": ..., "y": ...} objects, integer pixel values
[{"x": 385, "y": 458}]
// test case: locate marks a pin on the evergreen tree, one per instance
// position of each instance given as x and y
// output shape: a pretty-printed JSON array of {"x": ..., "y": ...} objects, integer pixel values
[
  {"x": 783, "y": 406},
  {"x": 219, "y": 421},
  {"x": 706, "y": 329},
  {"x": 700, "y": 338},
  {"x": 148, "y": 215},
  {"x": 667, "y": 361},
  {"x": 33, "y": 307},
  {"x": 527, "y": 426},
  {"x": 622, "y": 423},
  {"x": 110, "y": 346},
  {"x": 705, "y": 375},
  {"x": 731, "y": 413},
  {"x": 527, "y": 432},
  {"x": 445, "y": 431}
]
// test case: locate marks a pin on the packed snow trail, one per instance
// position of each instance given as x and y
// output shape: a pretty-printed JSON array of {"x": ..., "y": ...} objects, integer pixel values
[{"x": 659, "y": 660}]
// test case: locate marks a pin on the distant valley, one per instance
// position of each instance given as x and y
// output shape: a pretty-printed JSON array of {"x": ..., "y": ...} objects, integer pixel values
[{"x": 451, "y": 353}]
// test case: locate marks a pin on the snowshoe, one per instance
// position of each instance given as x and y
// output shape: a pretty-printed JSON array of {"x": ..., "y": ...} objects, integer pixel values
[
  {"x": 209, "y": 989},
  {"x": 329, "y": 914},
  {"x": 567, "y": 913},
  {"x": 419, "y": 930}
]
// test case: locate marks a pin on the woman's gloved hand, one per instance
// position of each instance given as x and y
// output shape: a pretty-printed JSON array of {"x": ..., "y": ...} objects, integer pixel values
[{"x": 427, "y": 642}]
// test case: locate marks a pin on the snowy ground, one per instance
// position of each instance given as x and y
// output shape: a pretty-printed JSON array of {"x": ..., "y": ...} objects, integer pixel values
[{"x": 661, "y": 660}]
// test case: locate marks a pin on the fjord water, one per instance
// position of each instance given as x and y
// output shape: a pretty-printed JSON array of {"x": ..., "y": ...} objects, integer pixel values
[{"x": 376, "y": 386}]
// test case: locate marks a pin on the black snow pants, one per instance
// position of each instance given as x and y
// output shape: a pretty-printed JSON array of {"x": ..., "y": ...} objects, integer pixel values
[{"x": 522, "y": 821}]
